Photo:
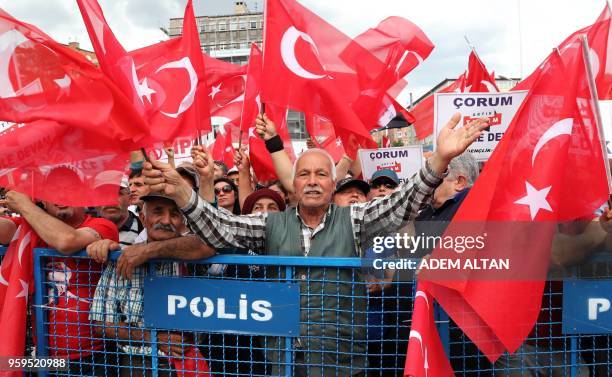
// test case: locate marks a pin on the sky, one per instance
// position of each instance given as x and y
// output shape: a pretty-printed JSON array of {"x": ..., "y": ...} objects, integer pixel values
[{"x": 511, "y": 36}]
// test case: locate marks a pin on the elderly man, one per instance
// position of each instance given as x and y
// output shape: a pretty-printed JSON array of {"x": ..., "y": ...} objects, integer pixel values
[
  {"x": 118, "y": 302},
  {"x": 332, "y": 334},
  {"x": 68, "y": 230}
]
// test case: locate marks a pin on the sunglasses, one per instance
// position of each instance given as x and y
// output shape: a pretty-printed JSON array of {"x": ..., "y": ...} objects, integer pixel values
[
  {"x": 226, "y": 189},
  {"x": 389, "y": 186}
]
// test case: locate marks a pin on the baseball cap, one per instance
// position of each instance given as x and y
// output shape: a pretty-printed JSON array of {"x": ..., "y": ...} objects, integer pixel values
[
  {"x": 189, "y": 171},
  {"x": 348, "y": 182},
  {"x": 154, "y": 196},
  {"x": 385, "y": 174}
]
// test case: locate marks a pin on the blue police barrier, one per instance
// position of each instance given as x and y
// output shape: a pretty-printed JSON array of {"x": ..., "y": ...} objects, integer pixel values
[
  {"x": 243, "y": 307},
  {"x": 247, "y": 355}
]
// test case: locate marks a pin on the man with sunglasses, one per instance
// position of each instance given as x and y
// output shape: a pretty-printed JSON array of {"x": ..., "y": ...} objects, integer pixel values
[{"x": 383, "y": 183}]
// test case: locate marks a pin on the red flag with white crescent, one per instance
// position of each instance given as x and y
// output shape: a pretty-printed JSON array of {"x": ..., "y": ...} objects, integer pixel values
[
  {"x": 16, "y": 284},
  {"x": 425, "y": 356},
  {"x": 535, "y": 178}
]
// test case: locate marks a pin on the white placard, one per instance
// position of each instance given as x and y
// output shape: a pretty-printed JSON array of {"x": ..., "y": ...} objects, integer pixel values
[
  {"x": 405, "y": 161},
  {"x": 498, "y": 107}
]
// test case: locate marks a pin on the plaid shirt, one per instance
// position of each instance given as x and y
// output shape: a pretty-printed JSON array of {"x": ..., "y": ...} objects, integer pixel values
[
  {"x": 120, "y": 300},
  {"x": 222, "y": 229}
]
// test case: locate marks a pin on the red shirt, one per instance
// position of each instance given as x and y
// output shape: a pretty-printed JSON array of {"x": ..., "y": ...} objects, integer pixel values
[{"x": 71, "y": 284}]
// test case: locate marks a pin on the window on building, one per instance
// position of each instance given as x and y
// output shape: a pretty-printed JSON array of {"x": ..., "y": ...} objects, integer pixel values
[
  {"x": 253, "y": 25},
  {"x": 211, "y": 26},
  {"x": 233, "y": 25},
  {"x": 222, "y": 26},
  {"x": 243, "y": 25},
  {"x": 296, "y": 125},
  {"x": 244, "y": 45}
]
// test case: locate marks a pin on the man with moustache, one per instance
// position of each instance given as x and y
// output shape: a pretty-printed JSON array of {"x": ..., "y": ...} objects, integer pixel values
[
  {"x": 316, "y": 227},
  {"x": 117, "y": 305}
]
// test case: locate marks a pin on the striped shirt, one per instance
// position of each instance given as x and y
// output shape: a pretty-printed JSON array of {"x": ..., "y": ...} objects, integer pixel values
[
  {"x": 378, "y": 217},
  {"x": 129, "y": 230}
]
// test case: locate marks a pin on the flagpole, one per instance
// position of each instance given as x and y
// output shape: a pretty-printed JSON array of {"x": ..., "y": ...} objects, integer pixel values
[{"x": 595, "y": 99}]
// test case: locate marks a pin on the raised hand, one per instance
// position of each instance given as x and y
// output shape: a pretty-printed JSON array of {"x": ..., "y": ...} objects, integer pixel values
[
  {"x": 202, "y": 162},
  {"x": 241, "y": 160},
  {"x": 162, "y": 178},
  {"x": 453, "y": 141},
  {"x": 264, "y": 127}
]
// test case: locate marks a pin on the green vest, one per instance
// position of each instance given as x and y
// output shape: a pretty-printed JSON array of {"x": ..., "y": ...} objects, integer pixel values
[{"x": 333, "y": 307}]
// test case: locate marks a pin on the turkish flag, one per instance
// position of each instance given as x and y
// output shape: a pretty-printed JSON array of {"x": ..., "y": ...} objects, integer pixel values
[
  {"x": 192, "y": 364},
  {"x": 381, "y": 57},
  {"x": 535, "y": 177},
  {"x": 165, "y": 82},
  {"x": 391, "y": 109},
  {"x": 385, "y": 142},
  {"x": 301, "y": 71},
  {"x": 42, "y": 79},
  {"x": 260, "y": 158},
  {"x": 478, "y": 78},
  {"x": 61, "y": 164},
  {"x": 252, "y": 102},
  {"x": 321, "y": 130},
  {"x": 223, "y": 149},
  {"x": 425, "y": 356},
  {"x": 16, "y": 285}
]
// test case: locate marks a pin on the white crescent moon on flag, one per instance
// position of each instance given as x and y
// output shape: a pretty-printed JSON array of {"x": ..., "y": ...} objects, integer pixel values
[
  {"x": 419, "y": 58},
  {"x": 9, "y": 41},
  {"x": 187, "y": 101},
  {"x": 288, "y": 53},
  {"x": 562, "y": 127},
  {"x": 416, "y": 335},
  {"x": 24, "y": 242},
  {"x": 423, "y": 296}
]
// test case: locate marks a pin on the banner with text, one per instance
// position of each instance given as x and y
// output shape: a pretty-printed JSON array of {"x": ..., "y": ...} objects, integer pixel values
[
  {"x": 498, "y": 107},
  {"x": 405, "y": 161}
]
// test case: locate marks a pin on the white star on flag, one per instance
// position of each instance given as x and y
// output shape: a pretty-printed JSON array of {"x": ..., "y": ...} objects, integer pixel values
[
  {"x": 252, "y": 132},
  {"x": 339, "y": 142},
  {"x": 24, "y": 290},
  {"x": 228, "y": 149},
  {"x": 64, "y": 85},
  {"x": 535, "y": 199},
  {"x": 144, "y": 90},
  {"x": 214, "y": 90}
]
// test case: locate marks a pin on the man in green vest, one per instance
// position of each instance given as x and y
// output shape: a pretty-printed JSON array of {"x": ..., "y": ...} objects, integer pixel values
[{"x": 332, "y": 337}]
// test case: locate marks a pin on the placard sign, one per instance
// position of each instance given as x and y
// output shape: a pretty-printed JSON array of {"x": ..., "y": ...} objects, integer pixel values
[
  {"x": 405, "y": 161},
  {"x": 498, "y": 107},
  {"x": 243, "y": 307}
]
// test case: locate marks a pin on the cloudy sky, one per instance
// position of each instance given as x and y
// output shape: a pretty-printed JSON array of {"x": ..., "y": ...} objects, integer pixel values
[{"x": 511, "y": 36}]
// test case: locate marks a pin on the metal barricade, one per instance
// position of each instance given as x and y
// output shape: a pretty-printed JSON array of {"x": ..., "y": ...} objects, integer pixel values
[{"x": 344, "y": 330}]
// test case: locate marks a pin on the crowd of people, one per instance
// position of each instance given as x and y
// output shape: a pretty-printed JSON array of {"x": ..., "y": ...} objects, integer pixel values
[{"x": 317, "y": 208}]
